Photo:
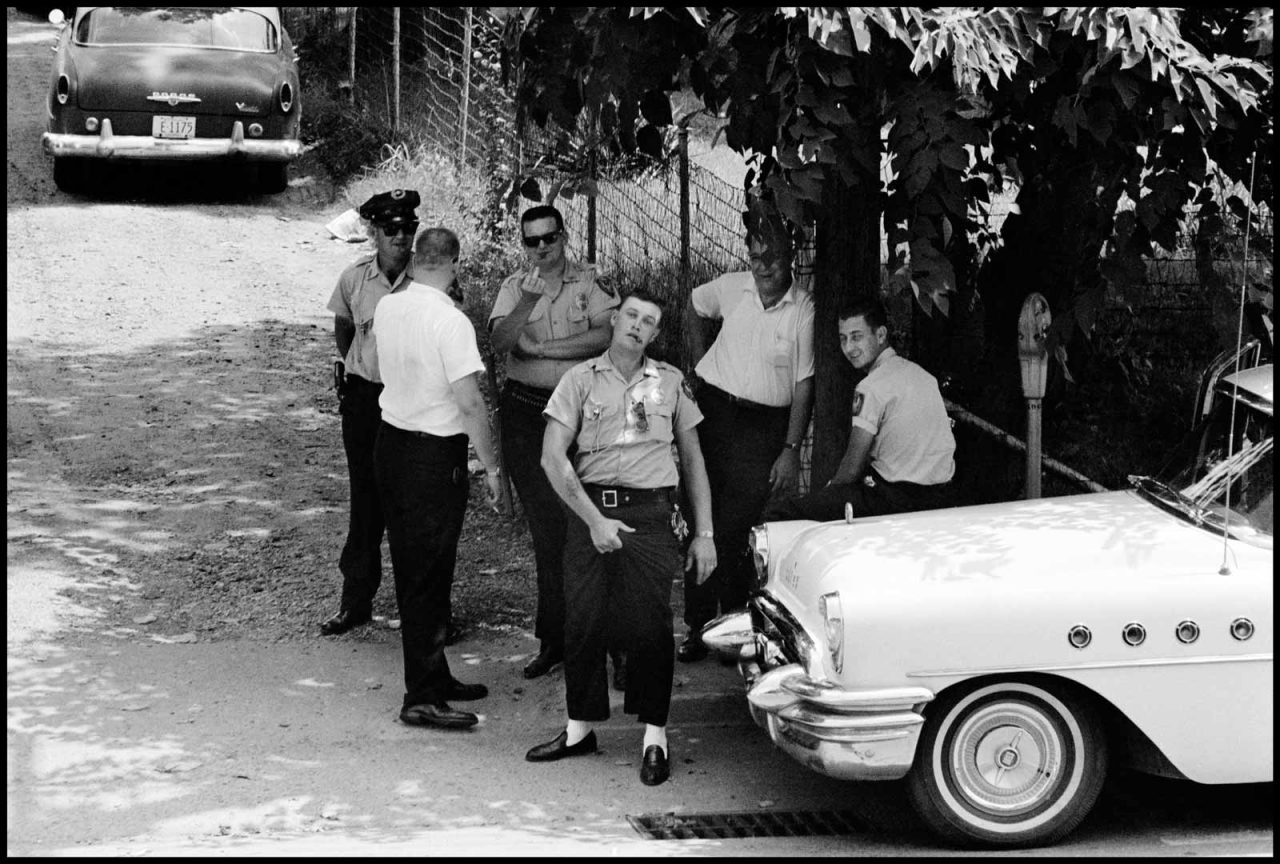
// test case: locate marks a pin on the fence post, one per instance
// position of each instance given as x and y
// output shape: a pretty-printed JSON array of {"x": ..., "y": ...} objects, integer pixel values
[
  {"x": 351, "y": 58},
  {"x": 466, "y": 85},
  {"x": 591, "y": 206},
  {"x": 684, "y": 210},
  {"x": 395, "y": 59}
]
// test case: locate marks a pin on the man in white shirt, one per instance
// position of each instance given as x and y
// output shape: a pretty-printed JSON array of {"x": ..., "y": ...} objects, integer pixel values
[
  {"x": 431, "y": 405},
  {"x": 756, "y": 395},
  {"x": 901, "y": 453}
]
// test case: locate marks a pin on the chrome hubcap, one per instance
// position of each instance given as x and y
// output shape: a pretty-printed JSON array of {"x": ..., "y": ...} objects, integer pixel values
[{"x": 1006, "y": 758}]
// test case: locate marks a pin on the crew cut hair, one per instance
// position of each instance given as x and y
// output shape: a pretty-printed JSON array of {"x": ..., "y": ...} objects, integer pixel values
[
  {"x": 436, "y": 247},
  {"x": 868, "y": 306},
  {"x": 542, "y": 211}
]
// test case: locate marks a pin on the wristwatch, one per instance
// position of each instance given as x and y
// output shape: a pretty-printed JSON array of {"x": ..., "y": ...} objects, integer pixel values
[
  {"x": 710, "y": 535},
  {"x": 792, "y": 446}
]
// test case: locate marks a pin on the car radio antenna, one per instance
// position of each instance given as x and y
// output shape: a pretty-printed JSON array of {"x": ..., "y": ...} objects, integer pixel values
[{"x": 1225, "y": 569}]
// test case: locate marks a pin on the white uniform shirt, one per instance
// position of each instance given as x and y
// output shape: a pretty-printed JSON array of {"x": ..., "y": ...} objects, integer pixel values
[
  {"x": 424, "y": 344},
  {"x": 760, "y": 353},
  {"x": 899, "y": 403}
]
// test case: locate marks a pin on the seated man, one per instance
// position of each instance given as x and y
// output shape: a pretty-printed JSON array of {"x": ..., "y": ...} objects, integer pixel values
[{"x": 901, "y": 454}]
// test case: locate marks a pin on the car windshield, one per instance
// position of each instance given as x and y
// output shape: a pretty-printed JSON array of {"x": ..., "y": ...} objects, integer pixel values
[
  {"x": 1223, "y": 468},
  {"x": 211, "y": 27}
]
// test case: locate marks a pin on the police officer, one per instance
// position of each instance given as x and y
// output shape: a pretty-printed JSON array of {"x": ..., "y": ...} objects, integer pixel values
[
  {"x": 624, "y": 410},
  {"x": 430, "y": 406},
  {"x": 546, "y": 318},
  {"x": 901, "y": 453},
  {"x": 391, "y": 220},
  {"x": 757, "y": 394}
]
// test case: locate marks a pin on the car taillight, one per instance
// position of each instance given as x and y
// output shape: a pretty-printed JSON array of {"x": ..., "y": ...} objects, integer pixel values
[
  {"x": 63, "y": 89},
  {"x": 833, "y": 625},
  {"x": 286, "y": 97}
]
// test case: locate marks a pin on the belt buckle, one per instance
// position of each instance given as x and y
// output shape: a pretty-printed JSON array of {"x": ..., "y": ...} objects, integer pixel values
[{"x": 609, "y": 497}]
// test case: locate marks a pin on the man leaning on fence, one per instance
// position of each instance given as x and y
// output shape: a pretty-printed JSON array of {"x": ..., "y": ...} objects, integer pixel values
[{"x": 547, "y": 317}]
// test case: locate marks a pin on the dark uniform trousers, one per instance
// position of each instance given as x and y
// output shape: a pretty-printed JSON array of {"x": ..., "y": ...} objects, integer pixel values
[
  {"x": 878, "y": 499},
  {"x": 640, "y": 574},
  {"x": 422, "y": 480},
  {"x": 361, "y": 560},
  {"x": 522, "y": 429},
  {"x": 740, "y": 441}
]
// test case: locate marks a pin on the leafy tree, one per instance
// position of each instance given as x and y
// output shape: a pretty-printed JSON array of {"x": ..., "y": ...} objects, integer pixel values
[{"x": 1103, "y": 119}]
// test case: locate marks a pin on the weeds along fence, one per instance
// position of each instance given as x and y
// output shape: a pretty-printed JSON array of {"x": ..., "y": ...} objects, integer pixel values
[{"x": 432, "y": 76}]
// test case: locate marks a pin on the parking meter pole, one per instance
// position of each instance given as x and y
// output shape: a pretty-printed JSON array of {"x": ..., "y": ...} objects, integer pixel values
[{"x": 1033, "y": 326}]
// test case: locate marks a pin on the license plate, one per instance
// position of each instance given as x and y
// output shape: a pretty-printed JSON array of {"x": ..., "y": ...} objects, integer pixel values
[{"x": 173, "y": 127}]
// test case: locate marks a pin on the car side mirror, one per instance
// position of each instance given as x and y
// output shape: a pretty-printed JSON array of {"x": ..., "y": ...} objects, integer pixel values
[{"x": 56, "y": 18}]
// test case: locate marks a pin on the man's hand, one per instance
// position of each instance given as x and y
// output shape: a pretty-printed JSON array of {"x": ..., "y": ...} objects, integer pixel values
[
  {"x": 702, "y": 555},
  {"x": 532, "y": 286},
  {"x": 784, "y": 476},
  {"x": 496, "y": 490},
  {"x": 604, "y": 535},
  {"x": 527, "y": 348}
]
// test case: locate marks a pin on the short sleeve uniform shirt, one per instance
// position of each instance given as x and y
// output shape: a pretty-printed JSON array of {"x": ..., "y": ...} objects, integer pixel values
[
  {"x": 568, "y": 312},
  {"x": 899, "y": 403},
  {"x": 760, "y": 353},
  {"x": 426, "y": 343},
  {"x": 360, "y": 288},
  {"x": 624, "y": 429}
]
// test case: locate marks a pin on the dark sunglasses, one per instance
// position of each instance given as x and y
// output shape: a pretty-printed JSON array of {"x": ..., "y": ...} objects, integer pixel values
[
  {"x": 535, "y": 240},
  {"x": 642, "y": 419},
  {"x": 393, "y": 229}
]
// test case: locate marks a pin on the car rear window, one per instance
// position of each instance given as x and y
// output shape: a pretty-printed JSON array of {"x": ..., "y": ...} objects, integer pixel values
[{"x": 212, "y": 27}]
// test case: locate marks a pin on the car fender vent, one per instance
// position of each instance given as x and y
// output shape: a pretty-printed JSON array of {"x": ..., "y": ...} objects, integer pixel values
[{"x": 747, "y": 823}]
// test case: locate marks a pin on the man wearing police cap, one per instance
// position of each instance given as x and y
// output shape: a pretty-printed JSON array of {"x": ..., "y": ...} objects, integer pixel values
[{"x": 391, "y": 221}]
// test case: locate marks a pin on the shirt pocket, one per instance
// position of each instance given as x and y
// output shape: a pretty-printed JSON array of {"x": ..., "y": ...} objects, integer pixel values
[
  {"x": 601, "y": 425},
  {"x": 660, "y": 419},
  {"x": 783, "y": 361}
]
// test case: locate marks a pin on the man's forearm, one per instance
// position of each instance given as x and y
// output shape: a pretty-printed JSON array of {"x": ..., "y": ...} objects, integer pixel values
[
  {"x": 507, "y": 331},
  {"x": 801, "y": 410},
  {"x": 578, "y": 346},
  {"x": 565, "y": 481}
]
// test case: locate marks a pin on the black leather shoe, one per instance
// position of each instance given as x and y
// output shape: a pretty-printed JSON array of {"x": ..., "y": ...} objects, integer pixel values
[
  {"x": 620, "y": 672},
  {"x": 439, "y": 714},
  {"x": 692, "y": 649},
  {"x": 344, "y": 621},
  {"x": 655, "y": 768},
  {"x": 460, "y": 692},
  {"x": 546, "y": 660},
  {"x": 557, "y": 749}
]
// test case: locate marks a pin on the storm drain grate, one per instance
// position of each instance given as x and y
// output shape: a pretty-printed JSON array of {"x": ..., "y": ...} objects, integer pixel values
[{"x": 727, "y": 826}]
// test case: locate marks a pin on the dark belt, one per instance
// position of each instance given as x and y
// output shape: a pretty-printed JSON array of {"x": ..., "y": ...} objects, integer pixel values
[
  {"x": 527, "y": 394},
  {"x": 623, "y": 496},
  {"x": 356, "y": 381},
  {"x": 740, "y": 402},
  {"x": 427, "y": 435}
]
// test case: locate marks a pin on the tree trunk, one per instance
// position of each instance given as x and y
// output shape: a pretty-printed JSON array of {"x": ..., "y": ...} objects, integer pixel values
[{"x": 847, "y": 263}]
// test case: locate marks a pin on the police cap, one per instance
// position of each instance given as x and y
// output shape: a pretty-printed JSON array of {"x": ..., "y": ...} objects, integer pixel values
[{"x": 387, "y": 208}]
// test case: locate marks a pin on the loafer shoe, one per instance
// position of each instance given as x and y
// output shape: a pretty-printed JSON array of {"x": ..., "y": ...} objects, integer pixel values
[
  {"x": 460, "y": 692},
  {"x": 558, "y": 749},
  {"x": 692, "y": 649},
  {"x": 546, "y": 660},
  {"x": 344, "y": 621},
  {"x": 655, "y": 767},
  {"x": 438, "y": 714}
]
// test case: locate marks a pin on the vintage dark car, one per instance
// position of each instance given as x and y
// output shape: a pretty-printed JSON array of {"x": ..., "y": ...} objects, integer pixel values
[
  {"x": 1000, "y": 657},
  {"x": 189, "y": 83}
]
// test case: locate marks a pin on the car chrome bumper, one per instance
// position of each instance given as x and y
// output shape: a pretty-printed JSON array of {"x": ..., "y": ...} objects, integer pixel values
[
  {"x": 106, "y": 145},
  {"x": 846, "y": 734}
]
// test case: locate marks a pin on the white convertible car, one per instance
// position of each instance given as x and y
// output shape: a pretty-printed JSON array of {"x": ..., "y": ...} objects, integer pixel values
[{"x": 1000, "y": 656}]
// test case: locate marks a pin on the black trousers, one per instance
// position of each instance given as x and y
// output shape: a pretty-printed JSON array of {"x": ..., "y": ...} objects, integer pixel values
[
  {"x": 879, "y": 499},
  {"x": 523, "y": 426},
  {"x": 635, "y": 582},
  {"x": 423, "y": 484},
  {"x": 361, "y": 560},
  {"x": 739, "y": 446}
]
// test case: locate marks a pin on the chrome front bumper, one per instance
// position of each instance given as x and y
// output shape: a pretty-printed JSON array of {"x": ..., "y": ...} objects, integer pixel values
[
  {"x": 846, "y": 734},
  {"x": 106, "y": 145}
]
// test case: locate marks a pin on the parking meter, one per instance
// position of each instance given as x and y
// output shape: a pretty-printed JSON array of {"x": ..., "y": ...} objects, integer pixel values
[{"x": 1033, "y": 356}]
